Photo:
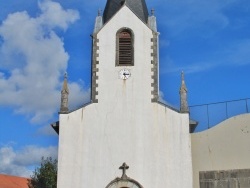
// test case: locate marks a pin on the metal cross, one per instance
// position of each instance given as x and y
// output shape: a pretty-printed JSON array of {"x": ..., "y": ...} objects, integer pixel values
[{"x": 124, "y": 167}]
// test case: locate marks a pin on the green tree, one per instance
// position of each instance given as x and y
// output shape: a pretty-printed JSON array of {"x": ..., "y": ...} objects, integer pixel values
[{"x": 44, "y": 176}]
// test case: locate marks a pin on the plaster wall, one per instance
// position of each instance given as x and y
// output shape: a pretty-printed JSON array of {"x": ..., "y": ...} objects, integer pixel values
[
  {"x": 223, "y": 147},
  {"x": 124, "y": 126}
]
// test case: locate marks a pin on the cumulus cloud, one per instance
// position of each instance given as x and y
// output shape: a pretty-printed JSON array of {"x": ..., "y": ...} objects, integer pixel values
[
  {"x": 55, "y": 16},
  {"x": 22, "y": 162},
  {"x": 74, "y": 97},
  {"x": 32, "y": 60}
]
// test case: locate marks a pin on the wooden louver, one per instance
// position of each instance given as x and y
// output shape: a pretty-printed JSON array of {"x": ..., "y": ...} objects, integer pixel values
[{"x": 125, "y": 48}]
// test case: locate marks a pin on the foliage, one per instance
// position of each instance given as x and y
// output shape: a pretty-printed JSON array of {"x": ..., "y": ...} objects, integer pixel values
[{"x": 44, "y": 176}]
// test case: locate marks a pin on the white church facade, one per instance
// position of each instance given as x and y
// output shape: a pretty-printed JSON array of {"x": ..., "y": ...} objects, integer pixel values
[{"x": 125, "y": 124}]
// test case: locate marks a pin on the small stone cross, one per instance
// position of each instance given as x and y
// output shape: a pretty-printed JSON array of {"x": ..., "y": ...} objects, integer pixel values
[
  {"x": 124, "y": 167},
  {"x": 65, "y": 75},
  {"x": 99, "y": 12},
  {"x": 152, "y": 12}
]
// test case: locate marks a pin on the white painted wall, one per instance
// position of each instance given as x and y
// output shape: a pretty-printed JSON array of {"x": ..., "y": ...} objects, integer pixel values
[
  {"x": 124, "y": 126},
  {"x": 223, "y": 147}
]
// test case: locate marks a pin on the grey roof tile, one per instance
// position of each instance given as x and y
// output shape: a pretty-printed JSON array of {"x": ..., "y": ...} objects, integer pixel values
[{"x": 139, "y": 7}]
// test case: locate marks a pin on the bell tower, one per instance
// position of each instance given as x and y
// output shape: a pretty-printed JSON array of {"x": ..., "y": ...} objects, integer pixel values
[{"x": 126, "y": 51}]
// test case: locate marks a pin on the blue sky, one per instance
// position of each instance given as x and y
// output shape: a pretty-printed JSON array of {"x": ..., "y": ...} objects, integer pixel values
[{"x": 39, "y": 40}]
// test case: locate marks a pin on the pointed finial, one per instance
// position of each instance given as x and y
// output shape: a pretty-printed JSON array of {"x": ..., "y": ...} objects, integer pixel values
[
  {"x": 183, "y": 95},
  {"x": 182, "y": 78},
  {"x": 99, "y": 12},
  {"x": 124, "y": 167},
  {"x": 64, "y": 95},
  {"x": 65, "y": 83},
  {"x": 183, "y": 85},
  {"x": 152, "y": 12}
]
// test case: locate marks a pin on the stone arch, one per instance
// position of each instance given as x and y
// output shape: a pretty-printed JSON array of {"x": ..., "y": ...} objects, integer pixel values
[{"x": 124, "y": 181}]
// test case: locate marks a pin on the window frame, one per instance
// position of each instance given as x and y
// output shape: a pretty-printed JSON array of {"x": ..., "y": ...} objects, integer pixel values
[{"x": 125, "y": 29}]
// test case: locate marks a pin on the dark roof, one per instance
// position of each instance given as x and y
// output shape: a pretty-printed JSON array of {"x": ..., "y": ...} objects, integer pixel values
[
  {"x": 192, "y": 125},
  {"x": 139, "y": 7},
  {"x": 55, "y": 126}
]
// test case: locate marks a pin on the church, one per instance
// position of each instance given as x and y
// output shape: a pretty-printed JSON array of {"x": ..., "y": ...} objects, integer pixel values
[{"x": 125, "y": 137}]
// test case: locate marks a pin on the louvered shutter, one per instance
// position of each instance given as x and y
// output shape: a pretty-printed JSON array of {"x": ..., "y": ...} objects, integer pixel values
[{"x": 125, "y": 48}]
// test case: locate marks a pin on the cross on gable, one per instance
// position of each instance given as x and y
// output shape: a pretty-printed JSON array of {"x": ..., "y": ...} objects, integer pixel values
[
  {"x": 152, "y": 12},
  {"x": 124, "y": 167}
]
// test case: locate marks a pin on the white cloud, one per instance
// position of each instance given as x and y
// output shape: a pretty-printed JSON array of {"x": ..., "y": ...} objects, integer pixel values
[
  {"x": 161, "y": 97},
  {"x": 31, "y": 155},
  {"x": 32, "y": 60},
  {"x": 191, "y": 68},
  {"x": 22, "y": 162},
  {"x": 200, "y": 15},
  {"x": 55, "y": 16},
  {"x": 209, "y": 28},
  {"x": 235, "y": 54},
  {"x": 238, "y": 53},
  {"x": 77, "y": 95},
  {"x": 162, "y": 100},
  {"x": 46, "y": 131}
]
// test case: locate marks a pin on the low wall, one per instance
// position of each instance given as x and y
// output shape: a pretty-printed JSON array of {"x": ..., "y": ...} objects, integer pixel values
[{"x": 225, "y": 147}]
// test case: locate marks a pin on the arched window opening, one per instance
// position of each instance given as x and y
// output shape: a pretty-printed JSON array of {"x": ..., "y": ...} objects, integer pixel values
[{"x": 125, "y": 49}]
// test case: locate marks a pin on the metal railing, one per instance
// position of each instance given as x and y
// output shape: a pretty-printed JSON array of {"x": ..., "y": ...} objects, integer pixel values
[{"x": 209, "y": 115}]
